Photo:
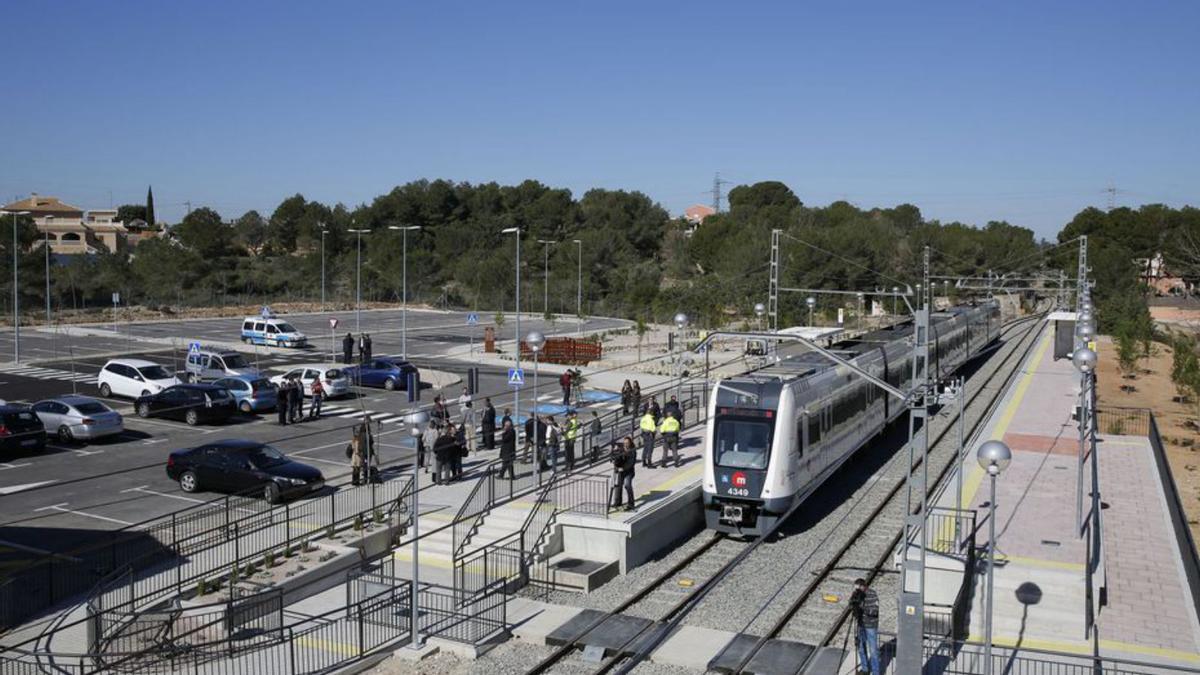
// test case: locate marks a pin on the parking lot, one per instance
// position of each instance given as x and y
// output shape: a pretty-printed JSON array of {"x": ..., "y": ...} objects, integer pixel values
[{"x": 120, "y": 481}]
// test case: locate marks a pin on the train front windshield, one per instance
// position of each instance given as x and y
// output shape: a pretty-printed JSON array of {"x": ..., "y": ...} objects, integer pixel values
[{"x": 743, "y": 443}]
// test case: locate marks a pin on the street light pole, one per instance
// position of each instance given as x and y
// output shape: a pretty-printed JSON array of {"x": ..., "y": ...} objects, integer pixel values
[
  {"x": 535, "y": 340},
  {"x": 16, "y": 297},
  {"x": 812, "y": 303},
  {"x": 517, "y": 333},
  {"x": 1084, "y": 360},
  {"x": 681, "y": 322},
  {"x": 994, "y": 457},
  {"x": 404, "y": 292},
  {"x": 47, "y": 246},
  {"x": 579, "y": 290},
  {"x": 323, "y": 233},
  {"x": 358, "y": 284}
]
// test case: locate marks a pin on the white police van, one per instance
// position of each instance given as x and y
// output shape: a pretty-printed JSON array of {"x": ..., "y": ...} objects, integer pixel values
[{"x": 272, "y": 331}]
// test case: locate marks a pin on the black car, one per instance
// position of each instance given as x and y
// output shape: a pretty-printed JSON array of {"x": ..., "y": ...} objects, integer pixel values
[
  {"x": 242, "y": 467},
  {"x": 192, "y": 403},
  {"x": 20, "y": 429}
]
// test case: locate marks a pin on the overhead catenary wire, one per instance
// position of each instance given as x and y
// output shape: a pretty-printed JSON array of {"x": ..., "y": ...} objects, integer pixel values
[{"x": 844, "y": 259}]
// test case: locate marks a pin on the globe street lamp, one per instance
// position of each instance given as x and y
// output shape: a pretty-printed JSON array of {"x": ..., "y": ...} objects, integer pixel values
[
  {"x": 536, "y": 340},
  {"x": 759, "y": 310},
  {"x": 1084, "y": 360},
  {"x": 994, "y": 457},
  {"x": 681, "y": 323},
  {"x": 895, "y": 293},
  {"x": 404, "y": 293},
  {"x": 517, "y": 333},
  {"x": 812, "y": 303},
  {"x": 416, "y": 421}
]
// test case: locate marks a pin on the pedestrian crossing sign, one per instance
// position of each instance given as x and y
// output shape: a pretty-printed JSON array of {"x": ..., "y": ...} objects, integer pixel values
[
  {"x": 194, "y": 348},
  {"x": 472, "y": 319},
  {"x": 516, "y": 377}
]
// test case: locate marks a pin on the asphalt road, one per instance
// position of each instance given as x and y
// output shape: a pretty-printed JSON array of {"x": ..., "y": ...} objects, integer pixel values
[{"x": 114, "y": 483}]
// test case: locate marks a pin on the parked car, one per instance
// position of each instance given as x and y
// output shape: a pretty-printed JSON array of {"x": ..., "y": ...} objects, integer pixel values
[
  {"x": 251, "y": 393},
  {"x": 272, "y": 332},
  {"x": 242, "y": 467},
  {"x": 334, "y": 379},
  {"x": 78, "y": 418},
  {"x": 192, "y": 403},
  {"x": 383, "y": 372},
  {"x": 207, "y": 364},
  {"x": 20, "y": 429},
  {"x": 132, "y": 378}
]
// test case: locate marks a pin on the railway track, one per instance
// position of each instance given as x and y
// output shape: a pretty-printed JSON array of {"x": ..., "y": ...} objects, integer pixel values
[{"x": 684, "y": 588}]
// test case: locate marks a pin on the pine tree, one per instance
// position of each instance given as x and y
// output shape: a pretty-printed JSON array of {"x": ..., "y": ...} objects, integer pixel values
[{"x": 150, "y": 207}]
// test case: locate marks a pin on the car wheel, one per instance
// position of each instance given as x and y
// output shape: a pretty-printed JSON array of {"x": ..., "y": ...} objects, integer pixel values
[
  {"x": 389, "y": 384},
  {"x": 271, "y": 493},
  {"x": 105, "y": 390},
  {"x": 188, "y": 482},
  {"x": 245, "y": 407},
  {"x": 65, "y": 435},
  {"x": 145, "y": 392},
  {"x": 143, "y": 409},
  {"x": 245, "y": 340},
  {"x": 192, "y": 418}
]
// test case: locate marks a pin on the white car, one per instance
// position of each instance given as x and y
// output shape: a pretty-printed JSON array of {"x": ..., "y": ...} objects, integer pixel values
[
  {"x": 333, "y": 379},
  {"x": 132, "y": 378}
]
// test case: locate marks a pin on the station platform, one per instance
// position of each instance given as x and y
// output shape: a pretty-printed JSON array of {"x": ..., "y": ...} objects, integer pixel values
[{"x": 1041, "y": 578}]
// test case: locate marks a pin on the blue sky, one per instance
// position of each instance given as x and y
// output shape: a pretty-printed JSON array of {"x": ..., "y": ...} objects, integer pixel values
[{"x": 1024, "y": 111}]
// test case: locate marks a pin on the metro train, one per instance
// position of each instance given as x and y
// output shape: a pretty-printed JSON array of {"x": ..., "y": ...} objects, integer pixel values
[{"x": 774, "y": 435}]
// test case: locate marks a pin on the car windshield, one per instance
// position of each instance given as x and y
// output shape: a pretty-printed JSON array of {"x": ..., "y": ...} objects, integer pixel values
[
  {"x": 91, "y": 408},
  {"x": 743, "y": 443},
  {"x": 265, "y": 455},
  {"x": 333, "y": 374},
  {"x": 285, "y": 328},
  {"x": 235, "y": 361},
  {"x": 262, "y": 385},
  {"x": 155, "y": 373},
  {"x": 217, "y": 394}
]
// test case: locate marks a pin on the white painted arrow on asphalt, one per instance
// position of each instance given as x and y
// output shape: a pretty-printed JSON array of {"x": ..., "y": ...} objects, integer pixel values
[{"x": 11, "y": 489}]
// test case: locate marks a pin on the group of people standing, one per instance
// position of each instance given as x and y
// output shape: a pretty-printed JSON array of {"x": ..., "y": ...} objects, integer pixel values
[
  {"x": 364, "y": 348},
  {"x": 631, "y": 397},
  {"x": 289, "y": 400},
  {"x": 450, "y": 442},
  {"x": 665, "y": 421}
]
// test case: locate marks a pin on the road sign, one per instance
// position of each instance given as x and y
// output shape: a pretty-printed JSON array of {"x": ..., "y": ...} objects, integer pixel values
[
  {"x": 516, "y": 377},
  {"x": 116, "y": 298},
  {"x": 194, "y": 348},
  {"x": 472, "y": 319},
  {"x": 332, "y": 324}
]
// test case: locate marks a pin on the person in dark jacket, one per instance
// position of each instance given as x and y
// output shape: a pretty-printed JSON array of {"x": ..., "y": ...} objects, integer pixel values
[
  {"x": 655, "y": 409},
  {"x": 460, "y": 450},
  {"x": 442, "y": 450},
  {"x": 595, "y": 430},
  {"x": 282, "y": 402},
  {"x": 488, "y": 425},
  {"x": 626, "y": 398},
  {"x": 507, "y": 418},
  {"x": 347, "y": 348},
  {"x": 672, "y": 407},
  {"x": 530, "y": 438},
  {"x": 624, "y": 461},
  {"x": 366, "y": 347},
  {"x": 440, "y": 414},
  {"x": 864, "y": 606},
  {"x": 635, "y": 397},
  {"x": 508, "y": 449},
  {"x": 362, "y": 347}
]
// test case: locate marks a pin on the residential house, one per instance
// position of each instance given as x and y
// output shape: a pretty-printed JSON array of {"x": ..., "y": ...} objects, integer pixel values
[{"x": 71, "y": 230}]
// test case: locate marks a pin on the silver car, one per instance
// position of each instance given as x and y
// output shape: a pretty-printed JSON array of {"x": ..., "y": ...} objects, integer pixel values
[{"x": 78, "y": 418}]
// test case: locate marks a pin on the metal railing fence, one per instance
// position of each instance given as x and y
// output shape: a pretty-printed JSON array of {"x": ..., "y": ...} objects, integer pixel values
[{"x": 952, "y": 657}]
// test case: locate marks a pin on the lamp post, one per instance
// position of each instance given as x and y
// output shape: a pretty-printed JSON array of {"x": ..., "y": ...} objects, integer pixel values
[
  {"x": 404, "y": 292},
  {"x": 358, "y": 283},
  {"x": 579, "y": 289},
  {"x": 759, "y": 310},
  {"x": 1084, "y": 360},
  {"x": 417, "y": 419},
  {"x": 16, "y": 298},
  {"x": 812, "y": 303},
  {"x": 535, "y": 340},
  {"x": 994, "y": 457},
  {"x": 323, "y": 233},
  {"x": 681, "y": 323},
  {"x": 47, "y": 247},
  {"x": 517, "y": 334},
  {"x": 547, "y": 243},
  {"x": 895, "y": 292}
]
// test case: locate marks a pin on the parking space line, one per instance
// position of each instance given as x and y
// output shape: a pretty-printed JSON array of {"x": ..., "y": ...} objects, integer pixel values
[
  {"x": 77, "y": 451},
  {"x": 146, "y": 489},
  {"x": 61, "y": 508},
  {"x": 13, "y": 489},
  {"x": 4, "y": 466}
]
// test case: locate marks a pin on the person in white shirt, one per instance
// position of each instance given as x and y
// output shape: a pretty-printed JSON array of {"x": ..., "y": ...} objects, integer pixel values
[{"x": 467, "y": 410}]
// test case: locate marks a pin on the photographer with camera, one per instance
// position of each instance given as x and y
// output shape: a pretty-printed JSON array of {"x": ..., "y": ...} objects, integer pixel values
[{"x": 624, "y": 459}]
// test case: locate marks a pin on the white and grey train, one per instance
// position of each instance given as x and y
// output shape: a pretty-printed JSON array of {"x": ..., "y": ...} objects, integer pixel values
[{"x": 775, "y": 434}]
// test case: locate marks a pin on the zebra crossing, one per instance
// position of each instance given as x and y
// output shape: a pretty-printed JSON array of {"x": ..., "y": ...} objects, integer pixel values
[
  {"x": 40, "y": 373},
  {"x": 351, "y": 412}
]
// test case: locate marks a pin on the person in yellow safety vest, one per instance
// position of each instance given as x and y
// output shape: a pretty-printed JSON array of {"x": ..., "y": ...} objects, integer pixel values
[
  {"x": 572, "y": 432},
  {"x": 670, "y": 434},
  {"x": 649, "y": 426}
]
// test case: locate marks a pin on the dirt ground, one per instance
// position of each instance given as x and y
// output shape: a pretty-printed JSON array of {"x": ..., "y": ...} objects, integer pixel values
[{"x": 1153, "y": 389}]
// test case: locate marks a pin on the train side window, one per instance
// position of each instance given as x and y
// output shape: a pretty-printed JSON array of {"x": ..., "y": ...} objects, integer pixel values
[
  {"x": 800, "y": 428},
  {"x": 814, "y": 429}
]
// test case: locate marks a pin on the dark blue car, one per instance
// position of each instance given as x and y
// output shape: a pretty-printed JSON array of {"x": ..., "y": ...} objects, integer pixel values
[{"x": 384, "y": 372}]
